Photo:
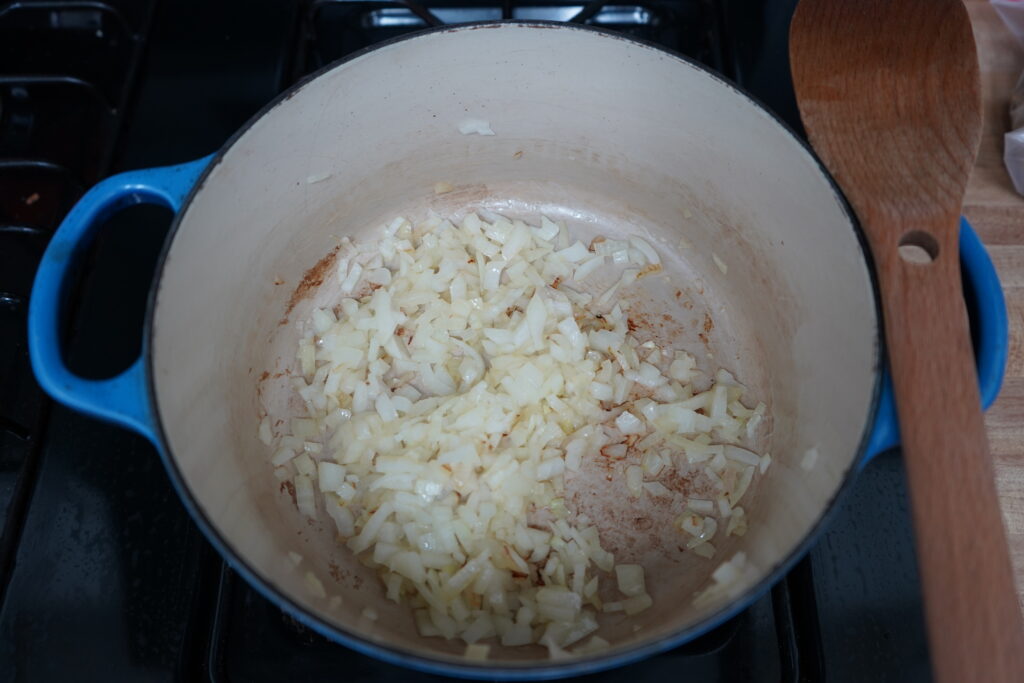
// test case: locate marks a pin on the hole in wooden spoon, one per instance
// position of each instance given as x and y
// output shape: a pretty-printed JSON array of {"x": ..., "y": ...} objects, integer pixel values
[{"x": 918, "y": 247}]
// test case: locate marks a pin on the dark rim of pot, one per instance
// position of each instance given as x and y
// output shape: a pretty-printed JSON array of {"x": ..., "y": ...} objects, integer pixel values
[{"x": 451, "y": 666}]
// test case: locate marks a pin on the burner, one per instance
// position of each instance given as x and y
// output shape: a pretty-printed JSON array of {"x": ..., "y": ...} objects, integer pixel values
[
  {"x": 59, "y": 120},
  {"x": 37, "y": 38},
  {"x": 98, "y": 560},
  {"x": 257, "y": 642},
  {"x": 334, "y": 28}
]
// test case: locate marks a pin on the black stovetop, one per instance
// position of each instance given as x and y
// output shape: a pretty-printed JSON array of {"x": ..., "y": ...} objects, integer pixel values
[{"x": 103, "y": 576}]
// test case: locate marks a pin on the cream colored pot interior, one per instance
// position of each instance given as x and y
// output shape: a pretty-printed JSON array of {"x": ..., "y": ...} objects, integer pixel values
[{"x": 615, "y": 138}]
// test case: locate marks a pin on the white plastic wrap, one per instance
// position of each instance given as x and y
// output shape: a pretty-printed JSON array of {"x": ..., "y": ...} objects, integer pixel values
[
  {"x": 1012, "y": 12},
  {"x": 1013, "y": 141}
]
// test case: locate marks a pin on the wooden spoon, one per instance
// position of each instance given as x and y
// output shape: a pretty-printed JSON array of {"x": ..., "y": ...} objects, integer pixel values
[{"x": 889, "y": 95}]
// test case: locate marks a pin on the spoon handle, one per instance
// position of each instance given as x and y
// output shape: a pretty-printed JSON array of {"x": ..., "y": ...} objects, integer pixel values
[{"x": 971, "y": 604}]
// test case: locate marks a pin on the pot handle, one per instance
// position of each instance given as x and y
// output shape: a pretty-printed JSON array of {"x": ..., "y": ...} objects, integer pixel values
[
  {"x": 984, "y": 295},
  {"x": 124, "y": 398}
]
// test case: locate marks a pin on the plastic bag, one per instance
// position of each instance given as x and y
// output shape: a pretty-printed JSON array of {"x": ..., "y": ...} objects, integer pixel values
[{"x": 1012, "y": 12}]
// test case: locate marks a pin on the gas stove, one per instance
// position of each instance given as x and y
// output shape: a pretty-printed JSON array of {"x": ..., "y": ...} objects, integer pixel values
[{"x": 103, "y": 576}]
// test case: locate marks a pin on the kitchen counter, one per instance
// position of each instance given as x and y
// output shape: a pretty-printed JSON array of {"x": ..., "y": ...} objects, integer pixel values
[{"x": 997, "y": 214}]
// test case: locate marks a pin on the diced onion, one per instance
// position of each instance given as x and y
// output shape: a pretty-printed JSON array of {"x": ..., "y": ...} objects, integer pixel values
[
  {"x": 475, "y": 126},
  {"x": 630, "y": 579},
  {"x": 461, "y": 377},
  {"x": 628, "y": 423},
  {"x": 810, "y": 459},
  {"x": 702, "y": 507},
  {"x": 266, "y": 436},
  {"x": 587, "y": 268},
  {"x": 646, "y": 249},
  {"x": 682, "y": 368},
  {"x": 652, "y": 463},
  {"x": 315, "y": 586},
  {"x": 282, "y": 456},
  {"x": 304, "y": 496},
  {"x": 741, "y": 455},
  {"x": 305, "y": 464},
  {"x": 594, "y": 645},
  {"x": 737, "y": 523},
  {"x": 657, "y": 489},
  {"x": 574, "y": 254},
  {"x": 636, "y": 604},
  {"x": 634, "y": 480},
  {"x": 705, "y": 550},
  {"x": 477, "y": 651},
  {"x": 692, "y": 524}
]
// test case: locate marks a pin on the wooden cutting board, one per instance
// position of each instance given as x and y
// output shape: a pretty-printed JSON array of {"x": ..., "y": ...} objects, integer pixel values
[{"x": 997, "y": 213}]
